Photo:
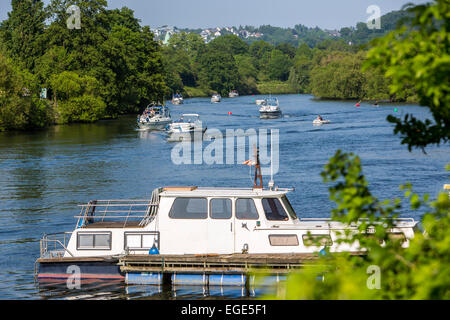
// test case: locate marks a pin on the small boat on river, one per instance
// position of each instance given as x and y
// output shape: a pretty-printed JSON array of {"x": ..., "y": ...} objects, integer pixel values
[
  {"x": 270, "y": 109},
  {"x": 177, "y": 99},
  {"x": 319, "y": 121},
  {"x": 234, "y": 94},
  {"x": 188, "y": 127},
  {"x": 154, "y": 117},
  {"x": 216, "y": 98}
]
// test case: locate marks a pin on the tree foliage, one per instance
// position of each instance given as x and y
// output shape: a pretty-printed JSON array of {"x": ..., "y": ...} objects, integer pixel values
[
  {"x": 111, "y": 50},
  {"x": 418, "y": 56},
  {"x": 422, "y": 269}
]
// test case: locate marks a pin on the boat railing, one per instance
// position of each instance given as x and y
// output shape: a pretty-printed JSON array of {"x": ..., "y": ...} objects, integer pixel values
[
  {"x": 128, "y": 212},
  {"x": 55, "y": 245}
]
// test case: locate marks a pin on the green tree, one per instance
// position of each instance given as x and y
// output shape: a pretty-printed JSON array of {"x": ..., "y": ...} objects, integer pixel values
[
  {"x": 338, "y": 76},
  {"x": 20, "y": 106},
  {"x": 22, "y": 33},
  {"x": 77, "y": 98},
  {"x": 279, "y": 65},
  {"x": 422, "y": 270},
  {"x": 229, "y": 43},
  {"x": 218, "y": 71},
  {"x": 418, "y": 56}
]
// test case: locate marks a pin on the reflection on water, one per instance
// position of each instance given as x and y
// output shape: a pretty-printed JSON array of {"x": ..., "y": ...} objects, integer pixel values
[
  {"x": 44, "y": 176},
  {"x": 97, "y": 290}
]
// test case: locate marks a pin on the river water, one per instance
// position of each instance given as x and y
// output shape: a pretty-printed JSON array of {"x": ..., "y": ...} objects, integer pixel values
[{"x": 45, "y": 175}]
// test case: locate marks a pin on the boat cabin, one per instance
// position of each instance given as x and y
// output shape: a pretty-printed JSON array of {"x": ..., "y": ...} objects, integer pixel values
[{"x": 191, "y": 220}]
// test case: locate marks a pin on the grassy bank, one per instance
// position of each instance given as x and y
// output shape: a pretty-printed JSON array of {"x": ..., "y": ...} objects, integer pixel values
[{"x": 192, "y": 92}]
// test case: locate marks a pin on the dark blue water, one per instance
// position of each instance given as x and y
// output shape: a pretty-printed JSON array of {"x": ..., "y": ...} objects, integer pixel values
[{"x": 45, "y": 175}]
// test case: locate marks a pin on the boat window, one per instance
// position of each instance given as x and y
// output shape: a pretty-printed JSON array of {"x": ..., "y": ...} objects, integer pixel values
[
  {"x": 274, "y": 210},
  {"x": 317, "y": 240},
  {"x": 283, "y": 240},
  {"x": 189, "y": 208},
  {"x": 289, "y": 208},
  {"x": 246, "y": 209},
  {"x": 220, "y": 208},
  {"x": 141, "y": 241},
  {"x": 89, "y": 241}
]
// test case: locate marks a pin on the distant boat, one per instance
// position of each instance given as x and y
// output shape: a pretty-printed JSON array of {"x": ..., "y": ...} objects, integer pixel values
[
  {"x": 177, "y": 99},
  {"x": 318, "y": 122},
  {"x": 234, "y": 94},
  {"x": 270, "y": 109},
  {"x": 186, "y": 128},
  {"x": 216, "y": 98},
  {"x": 154, "y": 117}
]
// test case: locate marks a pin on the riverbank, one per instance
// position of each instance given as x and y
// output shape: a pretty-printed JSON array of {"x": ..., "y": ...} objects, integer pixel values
[{"x": 264, "y": 88}]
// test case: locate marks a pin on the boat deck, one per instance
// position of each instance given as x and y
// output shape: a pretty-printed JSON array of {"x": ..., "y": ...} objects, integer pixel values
[{"x": 113, "y": 225}]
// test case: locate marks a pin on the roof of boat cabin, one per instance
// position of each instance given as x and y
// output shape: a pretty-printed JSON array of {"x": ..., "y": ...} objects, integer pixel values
[{"x": 221, "y": 192}]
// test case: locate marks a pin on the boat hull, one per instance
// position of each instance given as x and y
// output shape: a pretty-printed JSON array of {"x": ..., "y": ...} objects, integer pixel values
[
  {"x": 94, "y": 268},
  {"x": 321, "y": 122},
  {"x": 177, "y": 102},
  {"x": 183, "y": 136},
  {"x": 270, "y": 115},
  {"x": 154, "y": 125}
]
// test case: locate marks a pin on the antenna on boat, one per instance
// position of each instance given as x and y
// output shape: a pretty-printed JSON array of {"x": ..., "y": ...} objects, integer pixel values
[
  {"x": 258, "y": 174},
  {"x": 271, "y": 182}
]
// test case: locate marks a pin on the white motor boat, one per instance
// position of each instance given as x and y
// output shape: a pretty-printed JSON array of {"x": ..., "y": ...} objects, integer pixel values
[
  {"x": 270, "y": 109},
  {"x": 192, "y": 221},
  {"x": 188, "y": 127},
  {"x": 177, "y": 99},
  {"x": 216, "y": 98},
  {"x": 189, "y": 221},
  {"x": 154, "y": 117},
  {"x": 234, "y": 94}
]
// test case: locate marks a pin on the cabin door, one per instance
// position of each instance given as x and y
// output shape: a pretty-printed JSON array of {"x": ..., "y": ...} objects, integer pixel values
[
  {"x": 185, "y": 232},
  {"x": 246, "y": 219},
  {"x": 220, "y": 226}
]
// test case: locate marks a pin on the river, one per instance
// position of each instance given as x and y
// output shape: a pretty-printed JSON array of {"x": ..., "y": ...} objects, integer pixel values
[{"x": 44, "y": 176}]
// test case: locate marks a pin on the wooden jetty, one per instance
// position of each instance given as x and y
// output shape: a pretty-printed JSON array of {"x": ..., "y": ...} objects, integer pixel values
[
  {"x": 231, "y": 269},
  {"x": 233, "y": 263}
]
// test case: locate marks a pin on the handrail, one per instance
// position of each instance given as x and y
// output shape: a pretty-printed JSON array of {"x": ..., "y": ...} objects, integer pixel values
[
  {"x": 118, "y": 205},
  {"x": 101, "y": 210},
  {"x": 44, "y": 242},
  {"x": 114, "y": 217}
]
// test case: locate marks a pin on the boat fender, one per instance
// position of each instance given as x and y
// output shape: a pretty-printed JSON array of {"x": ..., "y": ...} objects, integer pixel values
[{"x": 154, "y": 250}]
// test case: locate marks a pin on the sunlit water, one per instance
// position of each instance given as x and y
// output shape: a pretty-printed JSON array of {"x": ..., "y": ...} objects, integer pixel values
[{"x": 45, "y": 175}]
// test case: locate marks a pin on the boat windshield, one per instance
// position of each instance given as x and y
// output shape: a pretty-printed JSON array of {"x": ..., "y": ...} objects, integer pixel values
[
  {"x": 289, "y": 208},
  {"x": 274, "y": 210}
]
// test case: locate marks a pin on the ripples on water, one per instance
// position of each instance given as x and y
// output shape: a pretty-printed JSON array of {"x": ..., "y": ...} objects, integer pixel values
[{"x": 45, "y": 175}]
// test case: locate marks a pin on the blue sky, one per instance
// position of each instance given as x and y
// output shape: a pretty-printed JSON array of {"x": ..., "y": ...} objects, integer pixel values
[{"x": 328, "y": 14}]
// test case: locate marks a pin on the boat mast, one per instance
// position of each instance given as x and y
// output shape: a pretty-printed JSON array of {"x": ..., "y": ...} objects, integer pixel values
[
  {"x": 271, "y": 182},
  {"x": 258, "y": 174}
]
